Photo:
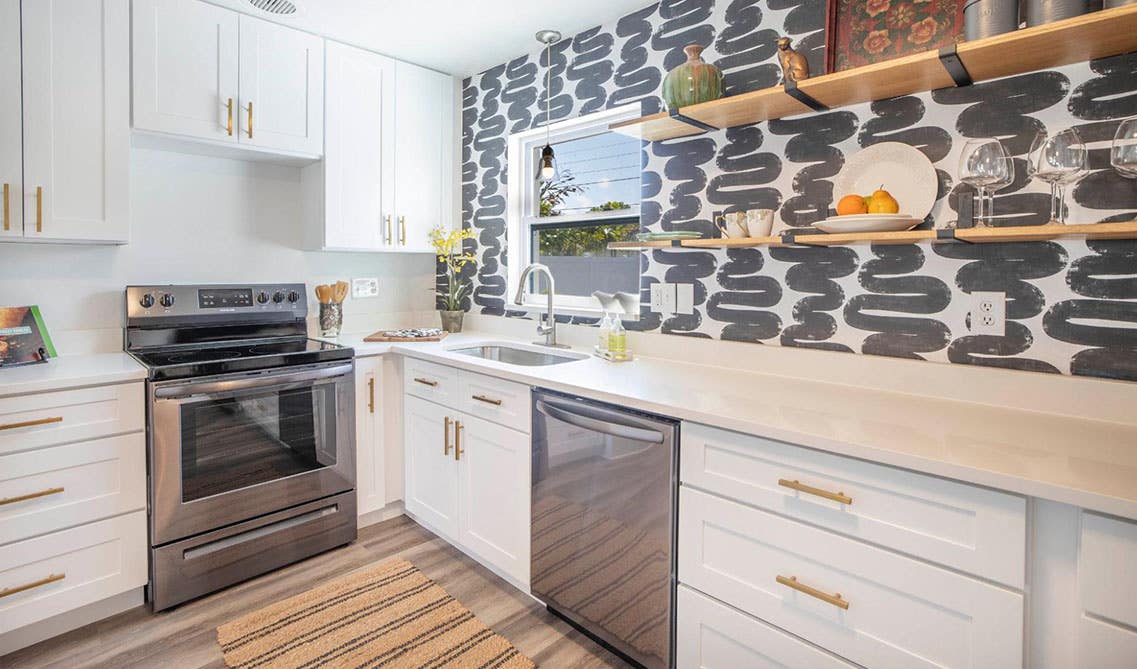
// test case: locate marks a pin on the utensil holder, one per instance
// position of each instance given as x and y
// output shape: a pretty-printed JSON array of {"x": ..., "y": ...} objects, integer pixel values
[{"x": 331, "y": 319}]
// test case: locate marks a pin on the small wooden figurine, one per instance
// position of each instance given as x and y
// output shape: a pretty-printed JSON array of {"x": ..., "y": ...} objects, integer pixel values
[{"x": 794, "y": 65}]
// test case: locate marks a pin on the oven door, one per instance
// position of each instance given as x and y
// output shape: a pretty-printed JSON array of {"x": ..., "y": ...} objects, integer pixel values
[{"x": 228, "y": 448}]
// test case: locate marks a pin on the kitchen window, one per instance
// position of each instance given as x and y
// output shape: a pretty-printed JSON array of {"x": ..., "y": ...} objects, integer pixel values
[{"x": 568, "y": 222}]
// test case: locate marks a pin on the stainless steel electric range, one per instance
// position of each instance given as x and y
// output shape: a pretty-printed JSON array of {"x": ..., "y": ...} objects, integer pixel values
[{"x": 250, "y": 434}]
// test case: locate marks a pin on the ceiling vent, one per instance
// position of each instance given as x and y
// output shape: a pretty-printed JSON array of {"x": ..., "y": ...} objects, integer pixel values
[{"x": 274, "y": 7}]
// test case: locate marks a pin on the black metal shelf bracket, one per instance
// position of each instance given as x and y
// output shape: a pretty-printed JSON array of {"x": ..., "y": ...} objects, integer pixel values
[
  {"x": 694, "y": 123},
  {"x": 949, "y": 58},
  {"x": 948, "y": 235},
  {"x": 787, "y": 237},
  {"x": 801, "y": 96}
]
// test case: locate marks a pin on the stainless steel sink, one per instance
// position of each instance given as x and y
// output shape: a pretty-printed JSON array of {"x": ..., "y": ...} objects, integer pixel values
[{"x": 516, "y": 355}]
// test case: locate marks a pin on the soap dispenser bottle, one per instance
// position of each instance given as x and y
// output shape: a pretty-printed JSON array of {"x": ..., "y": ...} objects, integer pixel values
[
  {"x": 617, "y": 338},
  {"x": 602, "y": 335}
]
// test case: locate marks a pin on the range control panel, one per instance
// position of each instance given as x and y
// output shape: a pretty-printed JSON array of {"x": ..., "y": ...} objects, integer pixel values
[{"x": 200, "y": 300}]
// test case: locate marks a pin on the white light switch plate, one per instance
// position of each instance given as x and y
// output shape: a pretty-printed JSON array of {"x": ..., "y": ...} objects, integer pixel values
[
  {"x": 668, "y": 305},
  {"x": 365, "y": 287},
  {"x": 684, "y": 298}
]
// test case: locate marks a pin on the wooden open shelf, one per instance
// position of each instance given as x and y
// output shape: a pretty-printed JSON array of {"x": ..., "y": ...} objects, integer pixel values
[
  {"x": 1096, "y": 35},
  {"x": 1025, "y": 233}
]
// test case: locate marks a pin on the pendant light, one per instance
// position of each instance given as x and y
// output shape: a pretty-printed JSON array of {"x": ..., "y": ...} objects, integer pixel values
[{"x": 547, "y": 170}]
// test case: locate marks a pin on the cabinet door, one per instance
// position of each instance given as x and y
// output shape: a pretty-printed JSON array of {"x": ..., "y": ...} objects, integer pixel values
[
  {"x": 76, "y": 82},
  {"x": 370, "y": 475},
  {"x": 282, "y": 88},
  {"x": 11, "y": 136},
  {"x": 432, "y": 471},
  {"x": 358, "y": 119},
  {"x": 494, "y": 494},
  {"x": 185, "y": 69},
  {"x": 424, "y": 127}
]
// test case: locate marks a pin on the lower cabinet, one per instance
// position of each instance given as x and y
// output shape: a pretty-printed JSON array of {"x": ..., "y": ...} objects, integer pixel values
[
  {"x": 467, "y": 478},
  {"x": 370, "y": 462}
]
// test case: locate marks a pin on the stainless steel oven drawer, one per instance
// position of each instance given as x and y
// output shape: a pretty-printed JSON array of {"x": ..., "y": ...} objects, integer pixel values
[{"x": 193, "y": 567}]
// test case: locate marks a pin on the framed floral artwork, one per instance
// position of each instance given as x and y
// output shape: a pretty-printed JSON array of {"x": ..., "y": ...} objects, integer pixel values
[{"x": 862, "y": 32}]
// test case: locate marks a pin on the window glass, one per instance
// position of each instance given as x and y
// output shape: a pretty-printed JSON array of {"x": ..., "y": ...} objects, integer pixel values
[
  {"x": 594, "y": 174},
  {"x": 578, "y": 256}
]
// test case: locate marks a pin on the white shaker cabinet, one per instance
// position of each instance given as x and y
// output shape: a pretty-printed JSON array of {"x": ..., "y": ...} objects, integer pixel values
[
  {"x": 432, "y": 472},
  {"x": 370, "y": 456},
  {"x": 73, "y": 63}
]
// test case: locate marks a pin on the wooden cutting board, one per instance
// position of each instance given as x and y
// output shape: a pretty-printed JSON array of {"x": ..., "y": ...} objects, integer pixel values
[{"x": 382, "y": 335}]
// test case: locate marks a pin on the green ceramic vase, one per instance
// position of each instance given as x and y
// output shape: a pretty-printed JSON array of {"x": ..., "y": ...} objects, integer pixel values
[{"x": 692, "y": 82}]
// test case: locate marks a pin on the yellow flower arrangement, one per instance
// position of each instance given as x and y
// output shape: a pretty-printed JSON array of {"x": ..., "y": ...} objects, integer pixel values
[{"x": 448, "y": 247}]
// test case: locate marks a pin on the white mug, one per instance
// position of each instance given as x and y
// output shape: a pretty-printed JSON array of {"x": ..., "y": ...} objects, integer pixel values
[
  {"x": 759, "y": 222},
  {"x": 733, "y": 224}
]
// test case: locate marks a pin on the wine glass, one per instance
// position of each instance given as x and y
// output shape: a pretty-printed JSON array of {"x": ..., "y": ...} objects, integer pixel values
[
  {"x": 1059, "y": 160},
  {"x": 1123, "y": 151},
  {"x": 984, "y": 163},
  {"x": 1006, "y": 179}
]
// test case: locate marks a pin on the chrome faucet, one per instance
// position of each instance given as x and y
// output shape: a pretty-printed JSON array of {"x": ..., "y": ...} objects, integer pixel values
[{"x": 549, "y": 330}]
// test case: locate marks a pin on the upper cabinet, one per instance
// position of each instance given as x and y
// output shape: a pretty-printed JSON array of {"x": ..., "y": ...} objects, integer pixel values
[
  {"x": 208, "y": 73},
  {"x": 64, "y": 143}
]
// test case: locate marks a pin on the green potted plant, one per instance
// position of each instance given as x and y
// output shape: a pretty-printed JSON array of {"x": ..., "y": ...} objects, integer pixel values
[{"x": 448, "y": 246}]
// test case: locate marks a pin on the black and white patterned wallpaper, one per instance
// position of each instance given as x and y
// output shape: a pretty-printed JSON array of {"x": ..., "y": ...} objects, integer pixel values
[{"x": 1072, "y": 305}]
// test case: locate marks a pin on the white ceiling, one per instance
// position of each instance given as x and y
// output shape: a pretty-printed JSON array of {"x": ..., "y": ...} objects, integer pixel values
[{"x": 459, "y": 37}]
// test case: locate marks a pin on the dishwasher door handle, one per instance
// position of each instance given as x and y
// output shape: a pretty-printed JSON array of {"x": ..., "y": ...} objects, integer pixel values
[{"x": 596, "y": 424}]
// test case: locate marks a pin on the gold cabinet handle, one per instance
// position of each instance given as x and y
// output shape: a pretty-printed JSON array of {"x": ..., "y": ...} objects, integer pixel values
[
  {"x": 250, "y": 124},
  {"x": 34, "y": 584},
  {"x": 7, "y": 197},
  {"x": 458, "y": 440},
  {"x": 402, "y": 230},
  {"x": 30, "y": 423},
  {"x": 835, "y": 599},
  {"x": 229, "y": 124},
  {"x": 487, "y": 400},
  {"x": 39, "y": 208},
  {"x": 371, "y": 394},
  {"x": 810, "y": 490},
  {"x": 31, "y": 495},
  {"x": 387, "y": 218},
  {"x": 446, "y": 436},
  {"x": 426, "y": 382}
]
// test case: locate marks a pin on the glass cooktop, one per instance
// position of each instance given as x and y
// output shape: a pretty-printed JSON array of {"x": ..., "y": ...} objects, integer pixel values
[{"x": 180, "y": 362}]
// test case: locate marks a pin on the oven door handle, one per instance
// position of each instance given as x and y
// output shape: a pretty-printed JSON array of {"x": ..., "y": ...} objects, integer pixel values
[{"x": 213, "y": 387}]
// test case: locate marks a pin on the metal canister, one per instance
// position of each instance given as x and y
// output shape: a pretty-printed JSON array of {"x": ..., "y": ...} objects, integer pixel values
[
  {"x": 987, "y": 18},
  {"x": 1110, "y": 4},
  {"x": 1039, "y": 12}
]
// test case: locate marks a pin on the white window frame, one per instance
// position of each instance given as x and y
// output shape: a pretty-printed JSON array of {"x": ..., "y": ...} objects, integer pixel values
[{"x": 523, "y": 154}]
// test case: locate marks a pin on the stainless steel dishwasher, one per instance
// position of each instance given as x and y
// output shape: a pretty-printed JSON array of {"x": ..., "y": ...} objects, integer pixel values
[{"x": 603, "y": 522}]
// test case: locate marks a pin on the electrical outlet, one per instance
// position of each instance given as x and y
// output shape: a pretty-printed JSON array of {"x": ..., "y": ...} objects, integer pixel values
[
  {"x": 656, "y": 291},
  {"x": 684, "y": 298},
  {"x": 988, "y": 313},
  {"x": 365, "y": 287}
]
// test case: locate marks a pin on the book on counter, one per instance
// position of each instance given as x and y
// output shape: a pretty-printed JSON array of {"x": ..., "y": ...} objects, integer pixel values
[{"x": 23, "y": 337}]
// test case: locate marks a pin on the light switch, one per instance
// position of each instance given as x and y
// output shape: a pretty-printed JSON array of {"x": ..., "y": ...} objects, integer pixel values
[
  {"x": 684, "y": 298},
  {"x": 667, "y": 305}
]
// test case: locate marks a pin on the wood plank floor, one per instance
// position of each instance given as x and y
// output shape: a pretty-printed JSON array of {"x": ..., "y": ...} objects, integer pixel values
[{"x": 186, "y": 637}]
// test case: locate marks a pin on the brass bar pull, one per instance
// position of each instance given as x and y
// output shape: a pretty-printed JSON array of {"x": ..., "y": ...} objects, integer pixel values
[
  {"x": 39, "y": 208},
  {"x": 426, "y": 382},
  {"x": 229, "y": 124},
  {"x": 7, "y": 214},
  {"x": 487, "y": 400},
  {"x": 810, "y": 490},
  {"x": 402, "y": 230},
  {"x": 458, "y": 440},
  {"x": 371, "y": 394},
  {"x": 446, "y": 437},
  {"x": 34, "y": 584},
  {"x": 31, "y": 495},
  {"x": 30, "y": 423},
  {"x": 835, "y": 599},
  {"x": 250, "y": 119},
  {"x": 387, "y": 218}
]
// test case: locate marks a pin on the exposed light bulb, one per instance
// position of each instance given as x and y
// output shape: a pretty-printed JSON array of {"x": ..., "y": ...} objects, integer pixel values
[{"x": 548, "y": 164}]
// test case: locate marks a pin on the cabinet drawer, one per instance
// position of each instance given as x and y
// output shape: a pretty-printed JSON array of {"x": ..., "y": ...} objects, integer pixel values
[
  {"x": 1106, "y": 576},
  {"x": 901, "y": 612},
  {"x": 62, "y": 486},
  {"x": 437, "y": 383},
  {"x": 711, "y": 634},
  {"x": 71, "y": 568},
  {"x": 969, "y": 528},
  {"x": 498, "y": 401},
  {"x": 46, "y": 419}
]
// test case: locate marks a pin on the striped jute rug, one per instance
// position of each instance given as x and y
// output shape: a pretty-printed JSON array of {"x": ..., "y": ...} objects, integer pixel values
[{"x": 390, "y": 615}]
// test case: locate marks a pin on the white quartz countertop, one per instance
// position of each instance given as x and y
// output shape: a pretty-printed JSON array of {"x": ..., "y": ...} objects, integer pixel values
[
  {"x": 1083, "y": 462},
  {"x": 70, "y": 371}
]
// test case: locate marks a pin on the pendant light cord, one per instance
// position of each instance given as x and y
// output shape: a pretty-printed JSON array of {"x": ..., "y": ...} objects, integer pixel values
[{"x": 548, "y": 86}]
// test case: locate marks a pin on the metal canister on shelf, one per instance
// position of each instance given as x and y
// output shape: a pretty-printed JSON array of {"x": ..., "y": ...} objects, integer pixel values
[
  {"x": 987, "y": 18},
  {"x": 1110, "y": 4},
  {"x": 1039, "y": 12}
]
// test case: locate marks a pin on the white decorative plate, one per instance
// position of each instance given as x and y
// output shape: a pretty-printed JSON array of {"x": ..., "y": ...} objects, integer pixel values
[
  {"x": 868, "y": 223},
  {"x": 903, "y": 171}
]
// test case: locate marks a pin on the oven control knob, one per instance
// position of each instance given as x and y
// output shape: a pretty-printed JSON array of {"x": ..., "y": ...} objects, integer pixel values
[
  {"x": 262, "y": 297},
  {"x": 167, "y": 300},
  {"x": 293, "y": 296},
  {"x": 147, "y": 301},
  {"x": 278, "y": 296}
]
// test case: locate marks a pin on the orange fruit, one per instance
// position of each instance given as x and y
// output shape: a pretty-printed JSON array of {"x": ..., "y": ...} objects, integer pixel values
[{"x": 852, "y": 204}]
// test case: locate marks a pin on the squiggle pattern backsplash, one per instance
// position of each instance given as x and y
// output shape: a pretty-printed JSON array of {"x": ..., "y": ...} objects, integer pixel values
[{"x": 1072, "y": 305}]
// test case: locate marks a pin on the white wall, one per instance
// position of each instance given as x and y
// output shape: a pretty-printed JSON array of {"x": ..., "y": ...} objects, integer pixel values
[{"x": 197, "y": 219}]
